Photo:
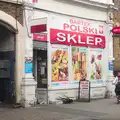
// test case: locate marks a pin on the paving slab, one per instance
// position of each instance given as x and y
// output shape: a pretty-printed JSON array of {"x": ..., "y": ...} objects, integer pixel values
[{"x": 105, "y": 109}]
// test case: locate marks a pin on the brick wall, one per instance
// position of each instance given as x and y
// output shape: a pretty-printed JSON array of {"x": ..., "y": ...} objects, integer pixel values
[
  {"x": 15, "y": 10},
  {"x": 116, "y": 52},
  {"x": 116, "y": 39}
]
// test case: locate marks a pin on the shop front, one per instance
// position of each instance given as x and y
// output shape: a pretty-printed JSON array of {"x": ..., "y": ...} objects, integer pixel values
[
  {"x": 75, "y": 49},
  {"x": 40, "y": 65},
  {"x": 77, "y": 52}
]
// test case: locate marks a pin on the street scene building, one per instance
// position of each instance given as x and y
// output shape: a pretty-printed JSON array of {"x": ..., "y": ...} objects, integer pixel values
[
  {"x": 53, "y": 45},
  {"x": 11, "y": 50},
  {"x": 69, "y": 45}
]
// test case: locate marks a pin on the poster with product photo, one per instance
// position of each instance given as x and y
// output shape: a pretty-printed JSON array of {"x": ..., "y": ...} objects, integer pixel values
[
  {"x": 59, "y": 62},
  {"x": 95, "y": 62},
  {"x": 79, "y": 63}
]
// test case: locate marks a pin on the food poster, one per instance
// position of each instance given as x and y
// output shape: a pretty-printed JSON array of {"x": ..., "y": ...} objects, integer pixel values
[
  {"x": 59, "y": 61},
  {"x": 96, "y": 67},
  {"x": 79, "y": 63}
]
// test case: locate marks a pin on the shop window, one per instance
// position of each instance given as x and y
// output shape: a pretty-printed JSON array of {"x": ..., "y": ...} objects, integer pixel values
[
  {"x": 79, "y": 63},
  {"x": 59, "y": 63},
  {"x": 96, "y": 64}
]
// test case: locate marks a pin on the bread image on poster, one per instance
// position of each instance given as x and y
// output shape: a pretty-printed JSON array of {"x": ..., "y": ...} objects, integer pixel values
[
  {"x": 79, "y": 64},
  {"x": 59, "y": 65}
]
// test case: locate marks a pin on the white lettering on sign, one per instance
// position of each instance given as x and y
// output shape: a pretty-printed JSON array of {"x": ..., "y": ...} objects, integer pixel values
[
  {"x": 79, "y": 40},
  {"x": 61, "y": 37},
  {"x": 90, "y": 40},
  {"x": 71, "y": 37},
  {"x": 98, "y": 40}
]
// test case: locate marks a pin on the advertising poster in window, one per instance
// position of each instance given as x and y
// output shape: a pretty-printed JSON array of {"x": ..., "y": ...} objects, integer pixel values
[
  {"x": 59, "y": 61},
  {"x": 79, "y": 63},
  {"x": 96, "y": 66}
]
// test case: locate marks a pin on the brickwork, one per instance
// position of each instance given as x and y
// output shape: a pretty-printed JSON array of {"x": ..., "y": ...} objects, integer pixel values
[
  {"x": 116, "y": 52},
  {"x": 116, "y": 40},
  {"x": 15, "y": 10}
]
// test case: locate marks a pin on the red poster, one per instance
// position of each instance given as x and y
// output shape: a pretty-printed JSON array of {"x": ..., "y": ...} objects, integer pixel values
[{"x": 76, "y": 39}]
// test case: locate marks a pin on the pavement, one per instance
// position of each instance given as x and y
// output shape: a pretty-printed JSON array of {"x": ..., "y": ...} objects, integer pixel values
[{"x": 104, "y": 109}]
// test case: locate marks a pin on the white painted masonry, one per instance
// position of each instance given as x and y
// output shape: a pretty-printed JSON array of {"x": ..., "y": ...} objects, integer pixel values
[
  {"x": 89, "y": 10},
  {"x": 20, "y": 48}
]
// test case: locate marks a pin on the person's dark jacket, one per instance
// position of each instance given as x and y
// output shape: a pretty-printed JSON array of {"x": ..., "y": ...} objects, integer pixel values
[{"x": 117, "y": 88}]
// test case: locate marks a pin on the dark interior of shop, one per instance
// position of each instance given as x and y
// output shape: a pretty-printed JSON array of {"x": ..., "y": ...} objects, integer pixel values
[
  {"x": 40, "y": 68},
  {"x": 7, "y": 61}
]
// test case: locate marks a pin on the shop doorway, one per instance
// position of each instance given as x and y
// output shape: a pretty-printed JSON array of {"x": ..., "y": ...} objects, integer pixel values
[
  {"x": 40, "y": 68},
  {"x": 7, "y": 61}
]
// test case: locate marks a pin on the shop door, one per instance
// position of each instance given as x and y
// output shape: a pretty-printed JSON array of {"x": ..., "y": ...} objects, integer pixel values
[
  {"x": 7, "y": 76},
  {"x": 41, "y": 68},
  {"x": 7, "y": 61}
]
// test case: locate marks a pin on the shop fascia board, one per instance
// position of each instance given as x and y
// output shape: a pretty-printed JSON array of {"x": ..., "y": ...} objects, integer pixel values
[
  {"x": 35, "y": 25},
  {"x": 39, "y": 21},
  {"x": 95, "y": 4}
]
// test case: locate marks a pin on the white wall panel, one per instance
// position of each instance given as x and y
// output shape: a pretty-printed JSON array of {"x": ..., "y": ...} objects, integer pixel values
[
  {"x": 72, "y": 9},
  {"x": 104, "y": 1}
]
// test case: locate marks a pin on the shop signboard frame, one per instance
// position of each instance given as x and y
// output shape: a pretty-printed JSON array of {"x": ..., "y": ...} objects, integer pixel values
[{"x": 84, "y": 91}]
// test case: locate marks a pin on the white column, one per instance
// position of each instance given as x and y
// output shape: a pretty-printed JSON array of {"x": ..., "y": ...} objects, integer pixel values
[
  {"x": 28, "y": 85},
  {"x": 110, "y": 87}
]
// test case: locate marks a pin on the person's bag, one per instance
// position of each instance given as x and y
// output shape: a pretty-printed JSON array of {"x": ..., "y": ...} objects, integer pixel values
[{"x": 115, "y": 81}]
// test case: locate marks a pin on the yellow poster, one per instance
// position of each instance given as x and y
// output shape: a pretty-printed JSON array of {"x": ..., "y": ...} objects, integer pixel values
[
  {"x": 79, "y": 63},
  {"x": 59, "y": 63}
]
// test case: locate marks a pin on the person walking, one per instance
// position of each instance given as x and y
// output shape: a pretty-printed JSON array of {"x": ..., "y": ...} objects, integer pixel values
[{"x": 116, "y": 82}]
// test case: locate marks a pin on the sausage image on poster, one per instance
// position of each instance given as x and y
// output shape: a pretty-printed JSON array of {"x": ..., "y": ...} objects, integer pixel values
[
  {"x": 79, "y": 63},
  {"x": 59, "y": 63},
  {"x": 95, "y": 64}
]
